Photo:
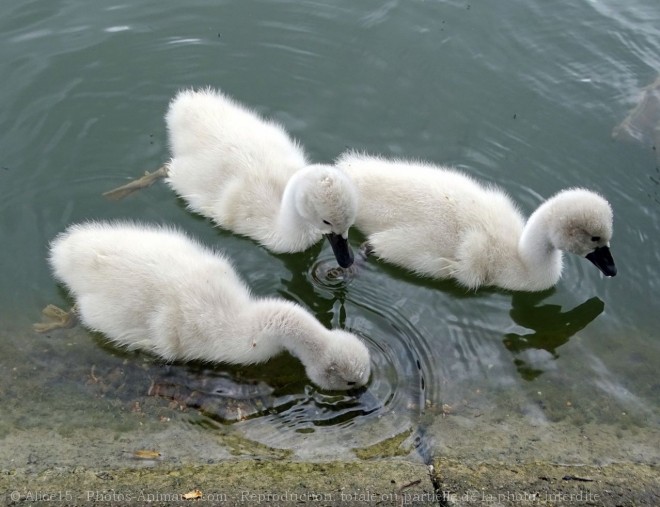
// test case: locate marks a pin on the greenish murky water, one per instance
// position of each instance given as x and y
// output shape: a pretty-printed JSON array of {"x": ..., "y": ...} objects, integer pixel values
[{"x": 522, "y": 94}]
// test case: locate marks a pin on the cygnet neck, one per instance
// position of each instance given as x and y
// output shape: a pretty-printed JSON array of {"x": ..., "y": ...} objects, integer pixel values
[
  {"x": 287, "y": 326},
  {"x": 293, "y": 232},
  {"x": 542, "y": 260}
]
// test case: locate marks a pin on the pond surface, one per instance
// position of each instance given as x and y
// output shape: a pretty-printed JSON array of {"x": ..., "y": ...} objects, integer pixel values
[{"x": 523, "y": 94}]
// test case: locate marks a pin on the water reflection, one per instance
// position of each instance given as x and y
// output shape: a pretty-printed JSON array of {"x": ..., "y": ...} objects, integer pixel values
[
  {"x": 551, "y": 327},
  {"x": 328, "y": 297}
]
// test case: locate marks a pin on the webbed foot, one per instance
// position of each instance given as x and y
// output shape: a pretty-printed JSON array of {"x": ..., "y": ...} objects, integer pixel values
[
  {"x": 145, "y": 181},
  {"x": 60, "y": 319}
]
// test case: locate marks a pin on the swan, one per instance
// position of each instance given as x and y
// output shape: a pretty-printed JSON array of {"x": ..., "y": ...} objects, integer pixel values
[
  {"x": 153, "y": 288},
  {"x": 441, "y": 223},
  {"x": 247, "y": 175}
]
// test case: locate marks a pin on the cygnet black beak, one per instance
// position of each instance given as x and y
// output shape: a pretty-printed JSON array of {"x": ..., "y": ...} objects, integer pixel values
[
  {"x": 601, "y": 257},
  {"x": 341, "y": 249}
]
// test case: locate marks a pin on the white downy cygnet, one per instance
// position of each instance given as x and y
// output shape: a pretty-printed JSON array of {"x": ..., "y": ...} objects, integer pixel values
[
  {"x": 441, "y": 223},
  {"x": 155, "y": 289},
  {"x": 248, "y": 176}
]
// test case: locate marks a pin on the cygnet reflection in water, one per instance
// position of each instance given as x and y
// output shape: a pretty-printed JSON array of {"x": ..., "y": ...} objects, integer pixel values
[{"x": 552, "y": 327}]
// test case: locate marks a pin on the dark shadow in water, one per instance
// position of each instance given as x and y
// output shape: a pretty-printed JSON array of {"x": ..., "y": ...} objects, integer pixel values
[
  {"x": 447, "y": 286},
  {"x": 552, "y": 327},
  {"x": 274, "y": 389},
  {"x": 299, "y": 288}
]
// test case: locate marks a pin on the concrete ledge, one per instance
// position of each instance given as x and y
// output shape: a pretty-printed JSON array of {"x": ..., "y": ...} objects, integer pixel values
[{"x": 378, "y": 483}]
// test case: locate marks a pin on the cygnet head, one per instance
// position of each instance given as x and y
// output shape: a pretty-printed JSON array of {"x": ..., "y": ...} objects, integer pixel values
[
  {"x": 327, "y": 199},
  {"x": 581, "y": 223},
  {"x": 343, "y": 365}
]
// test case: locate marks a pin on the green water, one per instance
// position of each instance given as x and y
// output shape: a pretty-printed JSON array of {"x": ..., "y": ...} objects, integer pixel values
[{"x": 521, "y": 94}]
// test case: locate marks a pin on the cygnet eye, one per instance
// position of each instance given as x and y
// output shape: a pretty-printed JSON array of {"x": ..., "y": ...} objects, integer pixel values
[
  {"x": 326, "y": 222},
  {"x": 595, "y": 238}
]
